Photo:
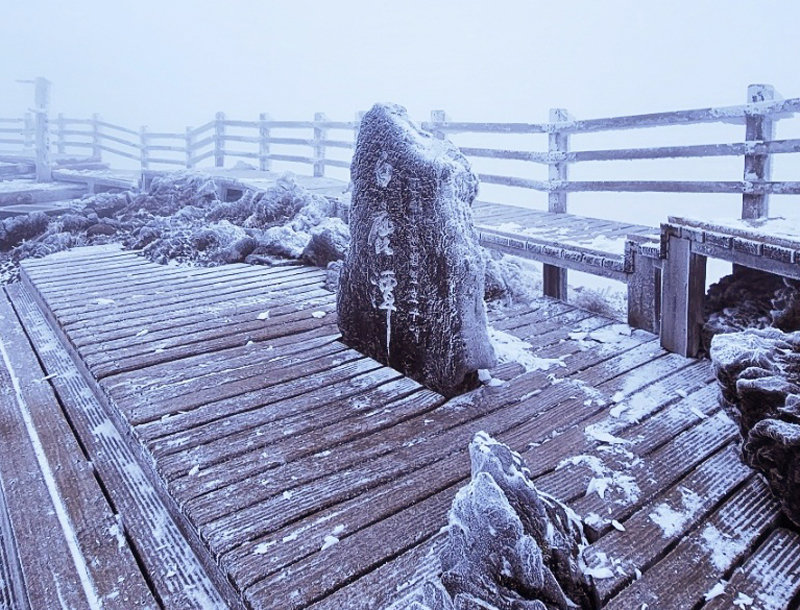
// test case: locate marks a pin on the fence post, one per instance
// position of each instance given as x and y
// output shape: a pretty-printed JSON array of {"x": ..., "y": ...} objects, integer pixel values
[
  {"x": 42, "y": 102},
  {"x": 554, "y": 279},
  {"x": 437, "y": 117},
  {"x": 757, "y": 168},
  {"x": 219, "y": 140},
  {"x": 144, "y": 152},
  {"x": 97, "y": 152},
  {"x": 60, "y": 142},
  {"x": 28, "y": 131},
  {"x": 320, "y": 134},
  {"x": 188, "y": 145},
  {"x": 264, "y": 162}
]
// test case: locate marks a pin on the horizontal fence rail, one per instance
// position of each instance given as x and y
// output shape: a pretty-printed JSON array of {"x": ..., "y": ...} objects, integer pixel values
[{"x": 320, "y": 144}]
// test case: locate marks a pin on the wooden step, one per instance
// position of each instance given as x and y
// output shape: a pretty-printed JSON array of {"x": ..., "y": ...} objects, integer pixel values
[
  {"x": 178, "y": 573},
  {"x": 53, "y": 499}
]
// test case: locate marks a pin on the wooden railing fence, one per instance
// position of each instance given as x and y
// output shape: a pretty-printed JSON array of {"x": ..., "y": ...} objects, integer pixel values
[{"x": 310, "y": 144}]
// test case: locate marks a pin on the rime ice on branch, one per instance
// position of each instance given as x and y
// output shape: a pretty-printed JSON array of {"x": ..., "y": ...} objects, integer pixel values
[
  {"x": 509, "y": 546},
  {"x": 411, "y": 288},
  {"x": 759, "y": 375}
]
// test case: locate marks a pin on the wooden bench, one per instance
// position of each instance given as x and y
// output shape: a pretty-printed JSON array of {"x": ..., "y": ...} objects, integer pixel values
[
  {"x": 620, "y": 251},
  {"x": 770, "y": 245}
]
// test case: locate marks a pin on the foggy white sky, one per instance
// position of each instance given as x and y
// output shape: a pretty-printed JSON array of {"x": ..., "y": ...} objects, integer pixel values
[{"x": 172, "y": 63}]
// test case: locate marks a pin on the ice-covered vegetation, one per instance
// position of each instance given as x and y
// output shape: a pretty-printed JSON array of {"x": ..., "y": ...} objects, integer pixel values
[
  {"x": 181, "y": 218},
  {"x": 759, "y": 375}
]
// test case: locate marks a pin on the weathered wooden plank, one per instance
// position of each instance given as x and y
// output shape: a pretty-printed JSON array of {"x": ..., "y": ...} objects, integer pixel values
[
  {"x": 172, "y": 354},
  {"x": 769, "y": 579},
  {"x": 139, "y": 276},
  {"x": 264, "y": 556},
  {"x": 166, "y": 380},
  {"x": 545, "y": 457},
  {"x": 275, "y": 476},
  {"x": 245, "y": 293},
  {"x": 662, "y": 468},
  {"x": 238, "y": 325},
  {"x": 281, "y": 371},
  {"x": 654, "y": 528},
  {"x": 682, "y": 298},
  {"x": 393, "y": 581},
  {"x": 12, "y": 583},
  {"x": 540, "y": 311},
  {"x": 350, "y": 393},
  {"x": 163, "y": 328},
  {"x": 53, "y": 498},
  {"x": 333, "y": 567},
  {"x": 59, "y": 277},
  {"x": 198, "y": 386},
  {"x": 250, "y": 299},
  {"x": 180, "y": 578},
  {"x": 70, "y": 312},
  {"x": 701, "y": 559}
]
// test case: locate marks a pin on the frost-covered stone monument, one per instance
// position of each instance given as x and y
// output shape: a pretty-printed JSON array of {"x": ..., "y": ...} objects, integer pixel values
[{"x": 411, "y": 287}]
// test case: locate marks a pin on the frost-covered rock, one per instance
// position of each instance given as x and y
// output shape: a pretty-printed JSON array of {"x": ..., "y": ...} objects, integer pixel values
[
  {"x": 759, "y": 376},
  {"x": 509, "y": 546},
  {"x": 329, "y": 242},
  {"x": 750, "y": 299},
  {"x": 17, "y": 229},
  {"x": 411, "y": 288}
]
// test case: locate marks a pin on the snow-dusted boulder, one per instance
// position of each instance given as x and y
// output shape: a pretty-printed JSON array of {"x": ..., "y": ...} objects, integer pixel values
[
  {"x": 329, "y": 242},
  {"x": 411, "y": 287},
  {"x": 509, "y": 546},
  {"x": 750, "y": 298},
  {"x": 759, "y": 376}
]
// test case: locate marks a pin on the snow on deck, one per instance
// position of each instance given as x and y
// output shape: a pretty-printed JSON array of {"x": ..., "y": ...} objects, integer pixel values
[{"x": 288, "y": 453}]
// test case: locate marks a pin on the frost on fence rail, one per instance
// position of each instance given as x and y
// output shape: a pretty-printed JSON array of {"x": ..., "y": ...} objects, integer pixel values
[{"x": 411, "y": 291}]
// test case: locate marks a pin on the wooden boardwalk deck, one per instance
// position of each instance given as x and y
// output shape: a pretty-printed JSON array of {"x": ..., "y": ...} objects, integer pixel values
[{"x": 303, "y": 474}]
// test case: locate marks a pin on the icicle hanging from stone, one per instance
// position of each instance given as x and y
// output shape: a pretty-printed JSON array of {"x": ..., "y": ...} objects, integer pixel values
[
  {"x": 509, "y": 546},
  {"x": 411, "y": 287},
  {"x": 759, "y": 375}
]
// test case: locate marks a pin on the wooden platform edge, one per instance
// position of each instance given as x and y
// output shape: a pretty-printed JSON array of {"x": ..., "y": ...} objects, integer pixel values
[
  {"x": 12, "y": 585},
  {"x": 212, "y": 582}
]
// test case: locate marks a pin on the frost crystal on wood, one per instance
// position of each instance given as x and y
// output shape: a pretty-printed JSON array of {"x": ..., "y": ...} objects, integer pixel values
[{"x": 412, "y": 284}]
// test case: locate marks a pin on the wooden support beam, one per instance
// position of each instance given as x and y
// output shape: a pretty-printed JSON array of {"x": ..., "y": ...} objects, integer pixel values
[
  {"x": 554, "y": 281},
  {"x": 757, "y": 167},
  {"x": 44, "y": 171},
  {"x": 644, "y": 289},
  {"x": 684, "y": 282},
  {"x": 189, "y": 145},
  {"x": 219, "y": 140},
  {"x": 144, "y": 153},
  {"x": 319, "y": 145},
  {"x": 438, "y": 117},
  {"x": 97, "y": 151},
  {"x": 264, "y": 162}
]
